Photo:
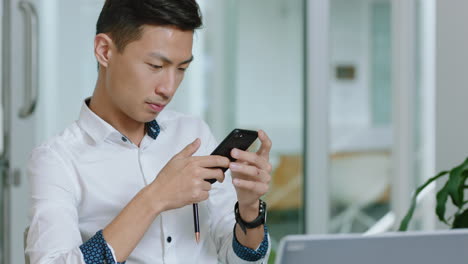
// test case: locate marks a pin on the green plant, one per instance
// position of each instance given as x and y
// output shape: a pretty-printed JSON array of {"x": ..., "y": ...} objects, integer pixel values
[{"x": 455, "y": 189}]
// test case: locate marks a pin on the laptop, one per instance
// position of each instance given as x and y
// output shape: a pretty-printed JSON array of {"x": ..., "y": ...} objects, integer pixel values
[{"x": 435, "y": 247}]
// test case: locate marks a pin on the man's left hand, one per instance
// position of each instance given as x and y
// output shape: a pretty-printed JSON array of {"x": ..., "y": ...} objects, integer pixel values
[{"x": 251, "y": 174}]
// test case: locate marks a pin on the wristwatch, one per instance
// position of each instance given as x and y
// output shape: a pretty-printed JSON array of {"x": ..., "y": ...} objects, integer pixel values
[{"x": 260, "y": 220}]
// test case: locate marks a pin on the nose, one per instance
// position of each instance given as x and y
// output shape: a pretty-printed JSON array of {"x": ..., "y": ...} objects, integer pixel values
[{"x": 167, "y": 85}]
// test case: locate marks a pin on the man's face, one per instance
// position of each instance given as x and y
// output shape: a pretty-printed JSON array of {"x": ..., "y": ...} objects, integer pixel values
[{"x": 142, "y": 79}]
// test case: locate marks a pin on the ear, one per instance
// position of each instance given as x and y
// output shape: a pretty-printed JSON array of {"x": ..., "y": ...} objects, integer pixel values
[{"x": 103, "y": 49}]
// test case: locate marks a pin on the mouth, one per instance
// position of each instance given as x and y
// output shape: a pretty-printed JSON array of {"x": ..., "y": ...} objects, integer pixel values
[{"x": 156, "y": 107}]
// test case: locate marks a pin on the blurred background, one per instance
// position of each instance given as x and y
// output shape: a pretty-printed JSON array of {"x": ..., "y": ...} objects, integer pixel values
[{"x": 363, "y": 100}]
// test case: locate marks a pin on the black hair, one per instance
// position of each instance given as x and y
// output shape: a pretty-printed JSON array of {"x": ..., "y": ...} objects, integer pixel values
[{"x": 123, "y": 19}]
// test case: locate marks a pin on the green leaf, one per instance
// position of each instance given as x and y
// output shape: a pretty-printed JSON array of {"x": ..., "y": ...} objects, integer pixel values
[
  {"x": 441, "y": 198},
  {"x": 452, "y": 189},
  {"x": 405, "y": 222},
  {"x": 461, "y": 220},
  {"x": 456, "y": 183}
]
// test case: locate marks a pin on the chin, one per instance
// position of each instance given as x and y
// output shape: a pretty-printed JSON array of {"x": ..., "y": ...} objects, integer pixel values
[{"x": 149, "y": 118}]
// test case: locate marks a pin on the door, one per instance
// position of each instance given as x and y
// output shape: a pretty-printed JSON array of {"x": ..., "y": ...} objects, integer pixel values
[
  {"x": 20, "y": 102},
  {"x": 2, "y": 159},
  {"x": 50, "y": 70}
]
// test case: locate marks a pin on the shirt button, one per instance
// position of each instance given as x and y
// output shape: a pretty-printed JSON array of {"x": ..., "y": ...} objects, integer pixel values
[
  {"x": 124, "y": 139},
  {"x": 169, "y": 239}
]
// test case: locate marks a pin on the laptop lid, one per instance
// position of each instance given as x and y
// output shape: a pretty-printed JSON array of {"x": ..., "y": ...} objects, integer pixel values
[{"x": 409, "y": 247}]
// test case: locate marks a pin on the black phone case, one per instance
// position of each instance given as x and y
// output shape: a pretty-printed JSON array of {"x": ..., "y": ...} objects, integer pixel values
[{"x": 238, "y": 138}]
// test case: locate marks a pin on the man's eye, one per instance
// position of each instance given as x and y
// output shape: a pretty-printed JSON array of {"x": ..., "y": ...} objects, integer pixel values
[
  {"x": 155, "y": 66},
  {"x": 182, "y": 69}
]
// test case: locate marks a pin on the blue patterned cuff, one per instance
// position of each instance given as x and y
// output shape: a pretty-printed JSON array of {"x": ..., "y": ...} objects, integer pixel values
[
  {"x": 96, "y": 251},
  {"x": 249, "y": 254}
]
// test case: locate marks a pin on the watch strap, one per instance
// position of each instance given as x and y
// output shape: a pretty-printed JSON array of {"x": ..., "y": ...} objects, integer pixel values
[{"x": 260, "y": 220}]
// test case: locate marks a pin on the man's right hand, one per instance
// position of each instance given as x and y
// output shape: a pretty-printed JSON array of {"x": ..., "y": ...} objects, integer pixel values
[{"x": 182, "y": 181}]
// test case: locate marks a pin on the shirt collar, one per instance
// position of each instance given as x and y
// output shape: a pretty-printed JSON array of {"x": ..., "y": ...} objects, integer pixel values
[{"x": 99, "y": 130}]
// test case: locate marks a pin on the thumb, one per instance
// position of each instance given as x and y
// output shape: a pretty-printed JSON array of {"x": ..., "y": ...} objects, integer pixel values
[{"x": 189, "y": 150}]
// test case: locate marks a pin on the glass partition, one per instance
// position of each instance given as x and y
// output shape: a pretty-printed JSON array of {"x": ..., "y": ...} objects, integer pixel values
[
  {"x": 363, "y": 121},
  {"x": 360, "y": 114},
  {"x": 268, "y": 94},
  {"x": 259, "y": 77}
]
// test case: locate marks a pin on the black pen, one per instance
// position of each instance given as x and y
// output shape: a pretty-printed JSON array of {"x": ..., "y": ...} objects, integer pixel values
[{"x": 196, "y": 222}]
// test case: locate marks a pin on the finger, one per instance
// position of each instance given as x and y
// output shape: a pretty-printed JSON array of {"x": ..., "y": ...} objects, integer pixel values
[
  {"x": 249, "y": 172},
  {"x": 265, "y": 148},
  {"x": 200, "y": 196},
  {"x": 251, "y": 158},
  {"x": 258, "y": 188},
  {"x": 199, "y": 185},
  {"x": 189, "y": 150},
  {"x": 206, "y": 186},
  {"x": 214, "y": 173},
  {"x": 212, "y": 161}
]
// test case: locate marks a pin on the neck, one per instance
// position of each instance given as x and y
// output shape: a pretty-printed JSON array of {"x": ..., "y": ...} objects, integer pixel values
[{"x": 102, "y": 106}]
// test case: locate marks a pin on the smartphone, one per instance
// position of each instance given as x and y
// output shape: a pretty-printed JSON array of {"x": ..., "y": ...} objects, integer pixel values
[{"x": 238, "y": 138}]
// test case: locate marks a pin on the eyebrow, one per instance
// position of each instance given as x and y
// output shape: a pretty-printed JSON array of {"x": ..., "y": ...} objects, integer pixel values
[{"x": 158, "y": 55}]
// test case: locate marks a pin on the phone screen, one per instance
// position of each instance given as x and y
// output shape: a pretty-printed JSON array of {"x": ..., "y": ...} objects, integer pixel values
[{"x": 238, "y": 138}]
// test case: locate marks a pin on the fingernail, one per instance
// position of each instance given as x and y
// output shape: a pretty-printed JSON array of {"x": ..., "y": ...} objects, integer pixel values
[{"x": 234, "y": 153}]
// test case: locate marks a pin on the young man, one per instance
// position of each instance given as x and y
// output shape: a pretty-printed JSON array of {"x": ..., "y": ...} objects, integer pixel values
[{"x": 118, "y": 184}]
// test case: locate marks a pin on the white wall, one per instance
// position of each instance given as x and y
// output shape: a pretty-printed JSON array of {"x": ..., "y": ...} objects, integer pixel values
[
  {"x": 350, "y": 108},
  {"x": 270, "y": 70},
  {"x": 451, "y": 91},
  {"x": 349, "y": 40},
  {"x": 67, "y": 64},
  {"x": 451, "y": 137}
]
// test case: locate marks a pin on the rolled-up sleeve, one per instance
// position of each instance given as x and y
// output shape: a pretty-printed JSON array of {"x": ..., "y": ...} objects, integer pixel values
[{"x": 54, "y": 235}]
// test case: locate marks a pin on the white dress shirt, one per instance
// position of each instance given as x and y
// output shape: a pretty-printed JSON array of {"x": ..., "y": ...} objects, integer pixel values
[{"x": 82, "y": 178}]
